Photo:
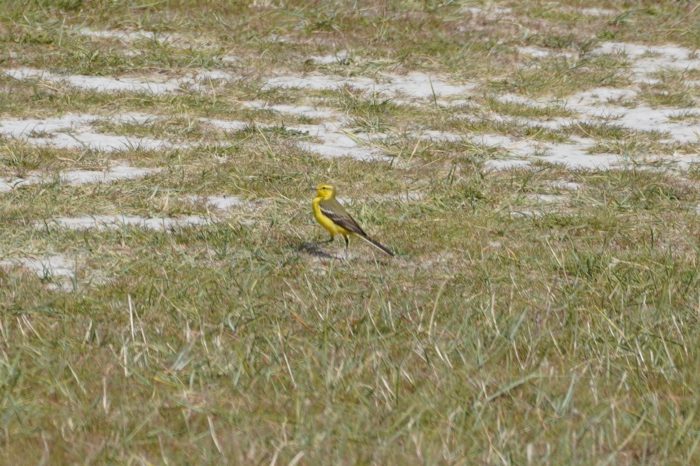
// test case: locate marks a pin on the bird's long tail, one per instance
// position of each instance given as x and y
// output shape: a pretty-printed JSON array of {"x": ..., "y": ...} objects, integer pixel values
[{"x": 377, "y": 245}]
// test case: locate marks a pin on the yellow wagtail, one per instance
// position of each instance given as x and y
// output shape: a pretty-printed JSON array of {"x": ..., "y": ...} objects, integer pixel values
[{"x": 336, "y": 220}]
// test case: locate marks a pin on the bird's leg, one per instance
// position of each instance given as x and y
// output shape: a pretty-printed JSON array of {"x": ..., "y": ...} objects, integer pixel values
[
  {"x": 347, "y": 243},
  {"x": 329, "y": 240}
]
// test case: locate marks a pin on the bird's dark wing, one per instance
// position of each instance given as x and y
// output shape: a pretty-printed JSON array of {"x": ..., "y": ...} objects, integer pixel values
[{"x": 336, "y": 212}]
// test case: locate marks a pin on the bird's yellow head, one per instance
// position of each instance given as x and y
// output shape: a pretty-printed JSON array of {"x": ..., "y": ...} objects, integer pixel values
[{"x": 325, "y": 191}]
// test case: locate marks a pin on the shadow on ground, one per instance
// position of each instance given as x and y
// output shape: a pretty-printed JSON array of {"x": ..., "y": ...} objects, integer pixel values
[{"x": 315, "y": 250}]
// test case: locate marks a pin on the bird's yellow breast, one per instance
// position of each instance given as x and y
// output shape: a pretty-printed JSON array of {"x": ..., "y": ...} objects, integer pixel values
[{"x": 326, "y": 222}]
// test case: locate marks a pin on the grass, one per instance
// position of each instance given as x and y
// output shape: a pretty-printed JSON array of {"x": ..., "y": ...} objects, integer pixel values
[
  {"x": 508, "y": 330},
  {"x": 561, "y": 77}
]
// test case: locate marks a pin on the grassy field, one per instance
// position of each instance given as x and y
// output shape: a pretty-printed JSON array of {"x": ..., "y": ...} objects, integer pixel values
[{"x": 535, "y": 165}]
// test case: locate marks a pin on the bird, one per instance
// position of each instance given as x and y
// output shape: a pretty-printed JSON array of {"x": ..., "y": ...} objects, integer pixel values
[{"x": 337, "y": 221}]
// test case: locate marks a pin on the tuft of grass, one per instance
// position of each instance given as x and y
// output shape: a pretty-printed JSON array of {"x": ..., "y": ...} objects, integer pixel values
[
  {"x": 559, "y": 77},
  {"x": 526, "y": 111},
  {"x": 663, "y": 96}
]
